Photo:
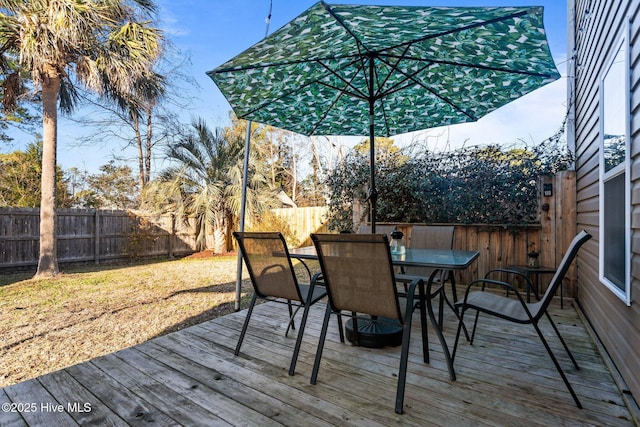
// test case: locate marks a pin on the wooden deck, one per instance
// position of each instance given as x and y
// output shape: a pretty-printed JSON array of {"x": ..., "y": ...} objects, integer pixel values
[{"x": 191, "y": 377}]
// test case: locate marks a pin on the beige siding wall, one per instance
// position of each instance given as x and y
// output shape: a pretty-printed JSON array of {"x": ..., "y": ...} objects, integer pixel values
[{"x": 595, "y": 32}]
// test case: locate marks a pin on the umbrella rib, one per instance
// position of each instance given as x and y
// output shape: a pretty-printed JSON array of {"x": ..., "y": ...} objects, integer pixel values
[
  {"x": 343, "y": 25},
  {"x": 380, "y": 95},
  {"x": 356, "y": 94},
  {"x": 392, "y": 66},
  {"x": 411, "y": 77},
  {"x": 469, "y": 65},
  {"x": 341, "y": 91},
  {"x": 233, "y": 69}
]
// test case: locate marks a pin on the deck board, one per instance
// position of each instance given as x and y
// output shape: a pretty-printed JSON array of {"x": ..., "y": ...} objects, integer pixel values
[{"x": 192, "y": 377}]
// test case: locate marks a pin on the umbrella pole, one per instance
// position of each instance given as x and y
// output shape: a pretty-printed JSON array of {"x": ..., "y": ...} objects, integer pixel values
[
  {"x": 373, "y": 193},
  {"x": 245, "y": 169}
]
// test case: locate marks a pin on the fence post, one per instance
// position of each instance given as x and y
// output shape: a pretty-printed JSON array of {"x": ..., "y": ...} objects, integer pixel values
[
  {"x": 558, "y": 220},
  {"x": 548, "y": 210},
  {"x": 172, "y": 234},
  {"x": 565, "y": 182},
  {"x": 97, "y": 238}
]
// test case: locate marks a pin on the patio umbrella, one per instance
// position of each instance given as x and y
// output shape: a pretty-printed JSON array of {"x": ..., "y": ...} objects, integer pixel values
[{"x": 383, "y": 70}]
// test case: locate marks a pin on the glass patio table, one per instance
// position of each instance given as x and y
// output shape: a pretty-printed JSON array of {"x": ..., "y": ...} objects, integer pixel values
[{"x": 376, "y": 333}]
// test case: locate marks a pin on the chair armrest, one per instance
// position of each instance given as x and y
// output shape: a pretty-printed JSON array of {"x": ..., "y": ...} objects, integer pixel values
[
  {"x": 510, "y": 272},
  {"x": 318, "y": 279},
  {"x": 406, "y": 279},
  {"x": 507, "y": 286},
  {"x": 268, "y": 268},
  {"x": 410, "y": 296}
]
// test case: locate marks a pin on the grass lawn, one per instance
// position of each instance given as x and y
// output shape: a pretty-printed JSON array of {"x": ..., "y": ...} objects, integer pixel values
[{"x": 46, "y": 325}]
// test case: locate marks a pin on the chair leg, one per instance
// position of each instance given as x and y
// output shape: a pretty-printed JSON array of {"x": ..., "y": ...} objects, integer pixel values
[
  {"x": 340, "y": 328},
  {"x": 564, "y": 344},
  {"x": 291, "y": 324},
  {"x": 291, "y": 314},
  {"x": 424, "y": 327},
  {"x": 425, "y": 297},
  {"x": 354, "y": 324},
  {"x": 557, "y": 365},
  {"x": 460, "y": 326},
  {"x": 323, "y": 335},
  {"x": 454, "y": 294},
  {"x": 404, "y": 360},
  {"x": 441, "y": 301},
  {"x": 246, "y": 323},
  {"x": 475, "y": 324},
  {"x": 404, "y": 355},
  {"x": 296, "y": 350}
]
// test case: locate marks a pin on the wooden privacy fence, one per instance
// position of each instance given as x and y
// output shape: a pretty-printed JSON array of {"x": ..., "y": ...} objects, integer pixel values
[
  {"x": 90, "y": 235},
  {"x": 304, "y": 221},
  {"x": 98, "y": 235},
  {"x": 86, "y": 235}
]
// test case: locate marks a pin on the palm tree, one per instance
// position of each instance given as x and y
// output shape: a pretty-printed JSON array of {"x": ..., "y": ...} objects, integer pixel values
[
  {"x": 206, "y": 184},
  {"x": 105, "y": 45}
]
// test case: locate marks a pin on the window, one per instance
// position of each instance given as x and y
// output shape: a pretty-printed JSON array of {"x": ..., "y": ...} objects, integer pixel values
[{"x": 615, "y": 206}]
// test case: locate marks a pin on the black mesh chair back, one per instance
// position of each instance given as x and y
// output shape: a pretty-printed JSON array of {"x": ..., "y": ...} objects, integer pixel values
[
  {"x": 267, "y": 259},
  {"x": 518, "y": 311},
  {"x": 539, "y": 308},
  {"x": 380, "y": 229},
  {"x": 359, "y": 270},
  {"x": 358, "y": 273},
  {"x": 431, "y": 237},
  {"x": 273, "y": 278}
]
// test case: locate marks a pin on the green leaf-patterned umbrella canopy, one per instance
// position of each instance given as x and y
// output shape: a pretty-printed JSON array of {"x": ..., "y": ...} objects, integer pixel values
[
  {"x": 412, "y": 67},
  {"x": 383, "y": 70}
]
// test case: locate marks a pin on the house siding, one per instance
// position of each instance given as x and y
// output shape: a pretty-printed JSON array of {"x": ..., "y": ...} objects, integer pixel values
[{"x": 595, "y": 27}]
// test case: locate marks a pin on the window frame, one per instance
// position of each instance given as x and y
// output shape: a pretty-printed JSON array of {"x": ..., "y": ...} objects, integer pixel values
[{"x": 624, "y": 168}]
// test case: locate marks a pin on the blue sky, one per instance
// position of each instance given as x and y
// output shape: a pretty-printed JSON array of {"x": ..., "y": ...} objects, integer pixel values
[{"x": 213, "y": 31}]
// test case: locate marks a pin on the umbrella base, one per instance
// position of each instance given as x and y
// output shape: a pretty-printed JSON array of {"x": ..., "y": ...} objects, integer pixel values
[{"x": 376, "y": 333}]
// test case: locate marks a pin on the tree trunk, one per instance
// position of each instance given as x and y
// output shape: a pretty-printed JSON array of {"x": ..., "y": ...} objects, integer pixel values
[
  {"x": 219, "y": 237},
  {"x": 48, "y": 257},
  {"x": 136, "y": 127},
  {"x": 147, "y": 159}
]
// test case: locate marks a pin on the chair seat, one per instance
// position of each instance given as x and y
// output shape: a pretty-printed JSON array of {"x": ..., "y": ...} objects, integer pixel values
[
  {"x": 511, "y": 309},
  {"x": 519, "y": 311},
  {"x": 411, "y": 277},
  {"x": 318, "y": 293}
]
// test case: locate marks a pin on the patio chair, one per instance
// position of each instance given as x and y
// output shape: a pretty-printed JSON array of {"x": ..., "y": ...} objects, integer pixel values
[
  {"x": 359, "y": 277},
  {"x": 519, "y": 311},
  {"x": 380, "y": 229},
  {"x": 433, "y": 237},
  {"x": 273, "y": 278}
]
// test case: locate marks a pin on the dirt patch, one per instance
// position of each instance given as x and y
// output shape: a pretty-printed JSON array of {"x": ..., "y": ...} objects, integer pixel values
[{"x": 210, "y": 254}]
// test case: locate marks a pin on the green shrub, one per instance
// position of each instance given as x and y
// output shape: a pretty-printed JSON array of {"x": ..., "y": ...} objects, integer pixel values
[{"x": 488, "y": 185}]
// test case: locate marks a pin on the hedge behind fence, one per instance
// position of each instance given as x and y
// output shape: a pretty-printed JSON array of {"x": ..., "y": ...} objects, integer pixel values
[{"x": 487, "y": 185}]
